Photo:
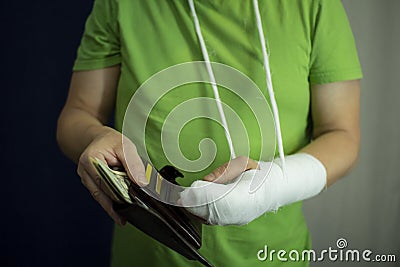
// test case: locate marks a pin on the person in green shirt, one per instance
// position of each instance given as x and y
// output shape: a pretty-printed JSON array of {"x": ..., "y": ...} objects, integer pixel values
[{"x": 312, "y": 59}]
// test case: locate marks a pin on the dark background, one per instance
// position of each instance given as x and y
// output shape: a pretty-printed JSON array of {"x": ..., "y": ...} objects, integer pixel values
[{"x": 47, "y": 217}]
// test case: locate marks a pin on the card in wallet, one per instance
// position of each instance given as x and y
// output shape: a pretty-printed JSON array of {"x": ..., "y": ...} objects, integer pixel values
[{"x": 173, "y": 226}]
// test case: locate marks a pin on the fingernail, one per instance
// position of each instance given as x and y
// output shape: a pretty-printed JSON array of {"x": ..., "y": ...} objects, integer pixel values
[
  {"x": 142, "y": 181},
  {"x": 208, "y": 177}
]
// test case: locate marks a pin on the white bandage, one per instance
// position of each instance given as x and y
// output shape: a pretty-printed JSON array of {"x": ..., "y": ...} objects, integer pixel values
[{"x": 256, "y": 191}]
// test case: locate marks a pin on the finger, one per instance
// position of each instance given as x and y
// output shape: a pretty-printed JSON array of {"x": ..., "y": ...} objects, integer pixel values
[
  {"x": 218, "y": 174},
  {"x": 94, "y": 175},
  {"x": 230, "y": 170},
  {"x": 132, "y": 162},
  {"x": 85, "y": 165},
  {"x": 100, "y": 196}
]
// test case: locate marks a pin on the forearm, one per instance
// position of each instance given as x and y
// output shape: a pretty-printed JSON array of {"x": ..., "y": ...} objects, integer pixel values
[
  {"x": 90, "y": 102},
  {"x": 335, "y": 112},
  {"x": 257, "y": 191},
  {"x": 336, "y": 134},
  {"x": 337, "y": 150},
  {"x": 76, "y": 129}
]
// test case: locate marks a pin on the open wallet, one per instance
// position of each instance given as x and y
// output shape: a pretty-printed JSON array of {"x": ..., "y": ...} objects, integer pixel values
[{"x": 173, "y": 226}]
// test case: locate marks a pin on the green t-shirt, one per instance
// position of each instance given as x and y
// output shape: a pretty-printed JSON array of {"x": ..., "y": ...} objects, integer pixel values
[{"x": 309, "y": 41}]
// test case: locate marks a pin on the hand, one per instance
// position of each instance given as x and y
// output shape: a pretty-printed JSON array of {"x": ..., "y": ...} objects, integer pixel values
[
  {"x": 231, "y": 170},
  {"x": 200, "y": 196},
  {"x": 241, "y": 202},
  {"x": 107, "y": 146}
]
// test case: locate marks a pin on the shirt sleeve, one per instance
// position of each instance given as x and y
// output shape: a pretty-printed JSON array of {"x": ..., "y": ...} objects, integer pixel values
[
  {"x": 100, "y": 45},
  {"x": 334, "y": 55}
]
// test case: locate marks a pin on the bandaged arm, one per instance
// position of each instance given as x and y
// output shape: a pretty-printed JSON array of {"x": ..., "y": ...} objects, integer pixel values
[
  {"x": 256, "y": 192},
  {"x": 336, "y": 142}
]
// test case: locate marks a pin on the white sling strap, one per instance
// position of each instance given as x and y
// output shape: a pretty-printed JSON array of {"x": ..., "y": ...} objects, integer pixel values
[{"x": 267, "y": 75}]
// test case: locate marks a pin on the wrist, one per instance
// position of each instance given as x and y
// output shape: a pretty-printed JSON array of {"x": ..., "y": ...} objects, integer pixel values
[
  {"x": 305, "y": 176},
  {"x": 257, "y": 191},
  {"x": 95, "y": 131}
]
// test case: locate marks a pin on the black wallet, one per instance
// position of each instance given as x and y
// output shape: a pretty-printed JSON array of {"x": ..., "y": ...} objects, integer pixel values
[{"x": 173, "y": 226}]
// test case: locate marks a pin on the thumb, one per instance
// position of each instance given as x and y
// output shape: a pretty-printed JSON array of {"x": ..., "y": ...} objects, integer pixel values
[
  {"x": 133, "y": 164},
  {"x": 231, "y": 170}
]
